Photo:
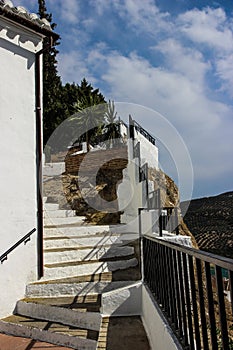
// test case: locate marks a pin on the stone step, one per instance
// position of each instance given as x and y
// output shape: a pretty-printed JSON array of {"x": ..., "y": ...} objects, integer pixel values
[
  {"x": 76, "y": 268},
  {"x": 50, "y": 206},
  {"x": 130, "y": 274},
  {"x": 53, "y": 169},
  {"x": 46, "y": 331},
  {"x": 56, "y": 288},
  {"x": 100, "y": 253},
  {"x": 58, "y": 314},
  {"x": 91, "y": 241},
  {"x": 85, "y": 303},
  {"x": 84, "y": 230},
  {"x": 65, "y": 221},
  {"x": 61, "y": 213}
]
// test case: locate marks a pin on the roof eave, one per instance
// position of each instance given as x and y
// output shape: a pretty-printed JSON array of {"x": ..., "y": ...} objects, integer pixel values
[{"x": 28, "y": 23}]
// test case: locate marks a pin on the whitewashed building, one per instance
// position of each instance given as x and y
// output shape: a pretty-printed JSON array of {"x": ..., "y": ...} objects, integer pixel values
[{"x": 21, "y": 42}]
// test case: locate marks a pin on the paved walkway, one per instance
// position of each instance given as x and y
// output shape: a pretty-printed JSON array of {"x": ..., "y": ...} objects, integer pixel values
[
  {"x": 122, "y": 333},
  {"x": 117, "y": 333},
  {"x": 17, "y": 343}
]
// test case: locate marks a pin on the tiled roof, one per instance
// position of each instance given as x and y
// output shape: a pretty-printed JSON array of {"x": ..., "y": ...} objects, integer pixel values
[{"x": 20, "y": 15}]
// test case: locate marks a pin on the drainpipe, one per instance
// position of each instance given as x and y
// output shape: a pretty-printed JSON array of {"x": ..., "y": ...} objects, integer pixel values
[{"x": 39, "y": 153}]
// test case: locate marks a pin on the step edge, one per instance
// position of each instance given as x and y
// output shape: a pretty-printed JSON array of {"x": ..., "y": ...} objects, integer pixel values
[
  {"x": 119, "y": 258},
  {"x": 80, "y": 289},
  {"x": 47, "y": 336},
  {"x": 83, "y": 247},
  {"x": 59, "y": 315}
]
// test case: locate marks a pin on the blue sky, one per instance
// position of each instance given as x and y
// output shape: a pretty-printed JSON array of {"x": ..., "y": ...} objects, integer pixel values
[{"x": 172, "y": 56}]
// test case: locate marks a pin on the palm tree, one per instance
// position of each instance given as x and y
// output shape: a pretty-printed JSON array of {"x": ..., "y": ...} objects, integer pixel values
[
  {"x": 90, "y": 109},
  {"x": 112, "y": 125}
]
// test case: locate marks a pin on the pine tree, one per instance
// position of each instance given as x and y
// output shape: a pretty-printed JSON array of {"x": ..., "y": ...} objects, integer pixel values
[
  {"x": 54, "y": 110},
  {"x": 42, "y": 10}
]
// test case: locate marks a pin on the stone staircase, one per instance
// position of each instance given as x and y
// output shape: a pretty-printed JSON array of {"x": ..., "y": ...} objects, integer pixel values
[{"x": 88, "y": 271}]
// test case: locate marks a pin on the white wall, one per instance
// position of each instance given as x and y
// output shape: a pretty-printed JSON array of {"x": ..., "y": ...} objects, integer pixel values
[
  {"x": 129, "y": 192},
  {"x": 159, "y": 332},
  {"x": 124, "y": 131},
  {"x": 149, "y": 222},
  {"x": 125, "y": 301},
  {"x": 18, "y": 202},
  {"x": 148, "y": 151}
]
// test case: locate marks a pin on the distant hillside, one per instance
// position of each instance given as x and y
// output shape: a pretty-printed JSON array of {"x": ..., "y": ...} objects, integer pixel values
[{"x": 210, "y": 220}]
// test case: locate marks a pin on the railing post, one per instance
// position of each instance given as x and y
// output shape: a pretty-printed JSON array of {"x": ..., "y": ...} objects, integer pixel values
[
  {"x": 210, "y": 300},
  {"x": 202, "y": 304},
  {"x": 141, "y": 241},
  {"x": 160, "y": 214},
  {"x": 176, "y": 220},
  {"x": 131, "y": 128},
  {"x": 222, "y": 309}
]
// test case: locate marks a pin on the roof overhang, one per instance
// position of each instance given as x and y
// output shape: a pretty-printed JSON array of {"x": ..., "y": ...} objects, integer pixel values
[{"x": 22, "y": 20}]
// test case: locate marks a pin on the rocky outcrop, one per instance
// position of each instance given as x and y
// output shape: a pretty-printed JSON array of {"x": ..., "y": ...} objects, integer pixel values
[{"x": 170, "y": 198}]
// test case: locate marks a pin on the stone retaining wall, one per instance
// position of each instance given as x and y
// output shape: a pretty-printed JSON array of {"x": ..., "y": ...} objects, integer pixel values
[{"x": 114, "y": 158}]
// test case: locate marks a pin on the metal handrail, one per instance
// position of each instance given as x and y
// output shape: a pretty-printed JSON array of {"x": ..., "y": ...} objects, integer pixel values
[
  {"x": 25, "y": 239},
  {"x": 191, "y": 295},
  {"x": 144, "y": 132},
  {"x": 225, "y": 263}
]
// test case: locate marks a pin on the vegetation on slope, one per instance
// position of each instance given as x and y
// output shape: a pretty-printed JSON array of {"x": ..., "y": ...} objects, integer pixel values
[{"x": 210, "y": 220}]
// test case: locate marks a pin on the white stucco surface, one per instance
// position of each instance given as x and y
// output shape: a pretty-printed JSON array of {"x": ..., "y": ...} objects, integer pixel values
[
  {"x": 149, "y": 221},
  {"x": 18, "y": 201},
  {"x": 148, "y": 151},
  {"x": 53, "y": 169},
  {"x": 125, "y": 301},
  {"x": 159, "y": 332},
  {"x": 130, "y": 191}
]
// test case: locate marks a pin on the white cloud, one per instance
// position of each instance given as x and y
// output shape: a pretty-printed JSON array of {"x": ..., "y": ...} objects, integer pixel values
[
  {"x": 133, "y": 78},
  {"x": 100, "y": 6},
  {"x": 72, "y": 67},
  {"x": 185, "y": 60},
  {"x": 208, "y": 26},
  {"x": 224, "y": 67},
  {"x": 212, "y": 32},
  {"x": 30, "y": 5},
  {"x": 69, "y": 10},
  {"x": 142, "y": 16}
]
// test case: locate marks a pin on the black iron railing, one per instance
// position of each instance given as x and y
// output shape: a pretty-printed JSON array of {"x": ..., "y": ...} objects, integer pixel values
[
  {"x": 145, "y": 133},
  {"x": 25, "y": 239},
  {"x": 134, "y": 125},
  {"x": 190, "y": 295}
]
